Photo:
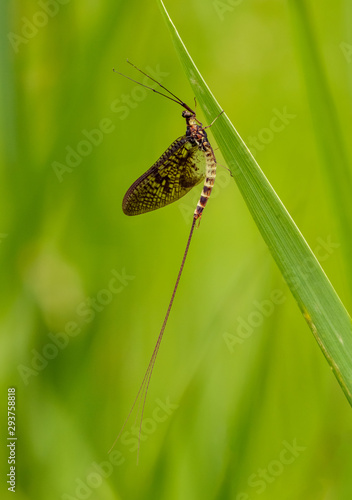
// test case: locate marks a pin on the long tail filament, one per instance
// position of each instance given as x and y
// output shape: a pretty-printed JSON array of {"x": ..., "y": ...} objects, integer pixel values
[{"x": 143, "y": 389}]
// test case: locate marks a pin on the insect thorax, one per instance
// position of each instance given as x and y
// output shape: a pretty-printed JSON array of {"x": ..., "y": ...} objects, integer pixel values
[{"x": 196, "y": 134}]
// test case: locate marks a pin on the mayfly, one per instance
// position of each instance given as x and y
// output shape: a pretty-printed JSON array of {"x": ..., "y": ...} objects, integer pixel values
[{"x": 188, "y": 161}]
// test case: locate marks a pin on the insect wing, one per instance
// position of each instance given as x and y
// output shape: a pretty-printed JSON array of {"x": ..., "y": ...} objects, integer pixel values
[{"x": 178, "y": 170}]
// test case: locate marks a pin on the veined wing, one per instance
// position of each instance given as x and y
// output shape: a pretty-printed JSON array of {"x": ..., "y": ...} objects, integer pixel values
[{"x": 180, "y": 168}]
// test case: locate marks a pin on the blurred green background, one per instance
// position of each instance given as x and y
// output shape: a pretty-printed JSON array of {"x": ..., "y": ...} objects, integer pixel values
[{"x": 242, "y": 403}]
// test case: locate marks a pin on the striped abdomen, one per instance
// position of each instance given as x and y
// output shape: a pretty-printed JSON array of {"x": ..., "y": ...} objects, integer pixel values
[{"x": 210, "y": 174}]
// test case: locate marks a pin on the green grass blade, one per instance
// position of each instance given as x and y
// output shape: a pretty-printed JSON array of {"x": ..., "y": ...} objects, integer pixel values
[{"x": 316, "y": 298}]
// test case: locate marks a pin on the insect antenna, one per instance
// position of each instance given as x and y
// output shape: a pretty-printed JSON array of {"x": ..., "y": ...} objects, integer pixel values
[
  {"x": 143, "y": 389},
  {"x": 174, "y": 97}
]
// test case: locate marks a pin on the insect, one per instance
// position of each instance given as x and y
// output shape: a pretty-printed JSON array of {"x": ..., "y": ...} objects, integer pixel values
[{"x": 188, "y": 161}]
